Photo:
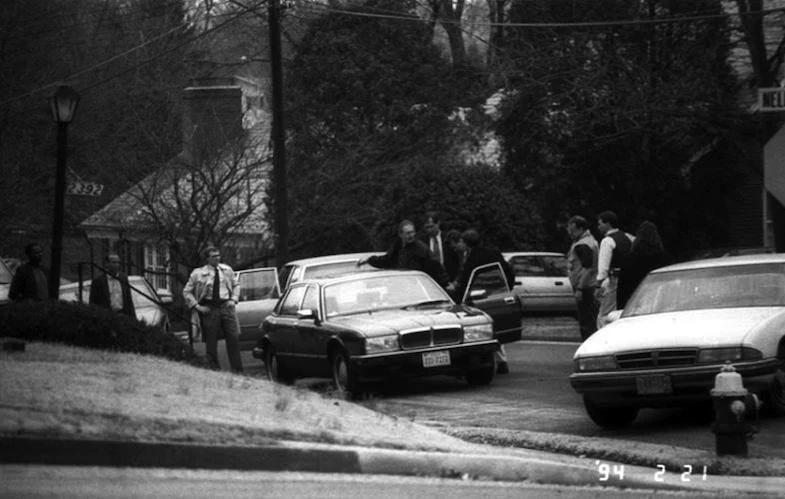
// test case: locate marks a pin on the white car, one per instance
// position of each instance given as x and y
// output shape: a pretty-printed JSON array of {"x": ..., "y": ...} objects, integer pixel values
[
  {"x": 542, "y": 281},
  {"x": 682, "y": 324},
  {"x": 148, "y": 305}
]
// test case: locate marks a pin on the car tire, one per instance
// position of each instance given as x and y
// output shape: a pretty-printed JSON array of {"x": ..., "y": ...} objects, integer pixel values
[
  {"x": 776, "y": 394},
  {"x": 610, "y": 417},
  {"x": 344, "y": 377},
  {"x": 483, "y": 376},
  {"x": 273, "y": 369}
]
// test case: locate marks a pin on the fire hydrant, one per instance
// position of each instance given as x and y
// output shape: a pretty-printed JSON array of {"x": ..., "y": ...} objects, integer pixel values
[{"x": 735, "y": 410}]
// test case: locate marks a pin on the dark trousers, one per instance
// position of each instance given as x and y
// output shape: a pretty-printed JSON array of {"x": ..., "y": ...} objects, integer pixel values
[
  {"x": 222, "y": 319},
  {"x": 587, "y": 313}
]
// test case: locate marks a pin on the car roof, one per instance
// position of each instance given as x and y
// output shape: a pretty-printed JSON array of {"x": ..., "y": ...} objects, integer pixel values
[
  {"x": 360, "y": 275},
  {"x": 333, "y": 258},
  {"x": 725, "y": 261},
  {"x": 510, "y": 254}
]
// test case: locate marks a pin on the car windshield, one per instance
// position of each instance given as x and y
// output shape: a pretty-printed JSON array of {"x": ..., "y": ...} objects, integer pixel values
[
  {"x": 539, "y": 265},
  {"x": 142, "y": 294},
  {"x": 758, "y": 285},
  {"x": 5, "y": 274},
  {"x": 384, "y": 292}
]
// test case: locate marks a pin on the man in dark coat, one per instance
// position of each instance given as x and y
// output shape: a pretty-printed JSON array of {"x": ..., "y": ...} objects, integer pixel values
[
  {"x": 478, "y": 255},
  {"x": 441, "y": 249},
  {"x": 30, "y": 280},
  {"x": 408, "y": 253},
  {"x": 111, "y": 290}
]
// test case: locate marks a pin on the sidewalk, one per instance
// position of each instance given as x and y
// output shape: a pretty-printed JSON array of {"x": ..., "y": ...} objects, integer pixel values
[{"x": 488, "y": 463}]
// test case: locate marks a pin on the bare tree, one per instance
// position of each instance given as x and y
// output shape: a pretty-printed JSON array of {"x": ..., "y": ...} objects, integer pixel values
[{"x": 218, "y": 201}]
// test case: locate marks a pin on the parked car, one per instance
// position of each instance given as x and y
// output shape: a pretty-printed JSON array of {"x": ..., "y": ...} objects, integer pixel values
[
  {"x": 681, "y": 325},
  {"x": 542, "y": 281},
  {"x": 371, "y": 326},
  {"x": 321, "y": 267},
  {"x": 149, "y": 306},
  {"x": 5, "y": 281}
]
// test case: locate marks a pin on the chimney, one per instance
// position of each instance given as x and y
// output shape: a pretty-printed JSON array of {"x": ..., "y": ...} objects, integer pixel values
[{"x": 212, "y": 118}]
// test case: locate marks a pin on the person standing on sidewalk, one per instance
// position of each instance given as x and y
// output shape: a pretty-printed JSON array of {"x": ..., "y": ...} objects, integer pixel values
[
  {"x": 614, "y": 248},
  {"x": 582, "y": 269},
  {"x": 213, "y": 291}
]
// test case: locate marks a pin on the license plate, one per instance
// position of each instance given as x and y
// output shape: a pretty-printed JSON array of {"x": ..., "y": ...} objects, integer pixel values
[
  {"x": 654, "y": 385},
  {"x": 435, "y": 359}
]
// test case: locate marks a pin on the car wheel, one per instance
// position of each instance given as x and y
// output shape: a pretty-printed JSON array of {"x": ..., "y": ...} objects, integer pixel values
[
  {"x": 610, "y": 417},
  {"x": 344, "y": 377},
  {"x": 273, "y": 369},
  {"x": 483, "y": 376},
  {"x": 776, "y": 395}
]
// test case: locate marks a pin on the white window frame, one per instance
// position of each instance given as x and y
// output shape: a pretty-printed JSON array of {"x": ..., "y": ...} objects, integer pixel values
[{"x": 156, "y": 260}]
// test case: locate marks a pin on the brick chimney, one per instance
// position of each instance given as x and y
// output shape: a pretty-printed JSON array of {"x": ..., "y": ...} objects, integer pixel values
[{"x": 212, "y": 118}]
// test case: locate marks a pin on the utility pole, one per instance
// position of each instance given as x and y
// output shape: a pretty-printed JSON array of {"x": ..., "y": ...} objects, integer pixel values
[{"x": 278, "y": 137}]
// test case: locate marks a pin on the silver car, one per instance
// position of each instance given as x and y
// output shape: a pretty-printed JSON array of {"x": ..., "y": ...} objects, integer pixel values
[
  {"x": 148, "y": 304},
  {"x": 542, "y": 281}
]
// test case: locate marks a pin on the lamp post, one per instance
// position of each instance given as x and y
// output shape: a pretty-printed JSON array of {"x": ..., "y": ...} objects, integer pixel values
[{"x": 63, "y": 104}]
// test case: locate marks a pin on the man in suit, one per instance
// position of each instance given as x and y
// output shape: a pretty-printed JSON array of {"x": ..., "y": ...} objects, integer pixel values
[
  {"x": 479, "y": 254},
  {"x": 111, "y": 289},
  {"x": 213, "y": 291},
  {"x": 408, "y": 252},
  {"x": 441, "y": 249}
]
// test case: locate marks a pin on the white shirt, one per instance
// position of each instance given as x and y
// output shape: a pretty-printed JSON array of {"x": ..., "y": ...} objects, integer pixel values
[
  {"x": 436, "y": 247},
  {"x": 115, "y": 293},
  {"x": 607, "y": 245}
]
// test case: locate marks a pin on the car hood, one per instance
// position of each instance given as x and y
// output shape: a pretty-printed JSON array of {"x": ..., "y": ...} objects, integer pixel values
[
  {"x": 386, "y": 322},
  {"x": 704, "y": 328}
]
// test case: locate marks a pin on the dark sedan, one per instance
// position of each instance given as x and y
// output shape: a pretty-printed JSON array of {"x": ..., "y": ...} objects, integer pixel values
[{"x": 373, "y": 326}]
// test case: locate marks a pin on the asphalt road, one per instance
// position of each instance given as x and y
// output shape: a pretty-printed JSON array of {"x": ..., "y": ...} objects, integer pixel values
[{"x": 536, "y": 396}]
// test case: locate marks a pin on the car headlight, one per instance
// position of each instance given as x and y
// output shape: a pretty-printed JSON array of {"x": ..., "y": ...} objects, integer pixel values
[
  {"x": 480, "y": 332},
  {"x": 721, "y": 355},
  {"x": 382, "y": 344},
  {"x": 602, "y": 363}
]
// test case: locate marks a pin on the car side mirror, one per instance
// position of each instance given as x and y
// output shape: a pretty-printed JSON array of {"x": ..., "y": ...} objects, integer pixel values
[{"x": 306, "y": 313}]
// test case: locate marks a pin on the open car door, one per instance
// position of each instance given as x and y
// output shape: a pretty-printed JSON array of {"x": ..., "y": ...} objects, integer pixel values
[
  {"x": 259, "y": 292},
  {"x": 488, "y": 291}
]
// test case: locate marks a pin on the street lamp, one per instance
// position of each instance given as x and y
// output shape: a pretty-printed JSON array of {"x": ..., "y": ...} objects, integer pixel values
[{"x": 63, "y": 104}]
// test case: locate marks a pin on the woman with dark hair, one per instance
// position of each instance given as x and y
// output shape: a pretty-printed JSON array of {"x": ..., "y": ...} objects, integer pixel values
[{"x": 647, "y": 253}]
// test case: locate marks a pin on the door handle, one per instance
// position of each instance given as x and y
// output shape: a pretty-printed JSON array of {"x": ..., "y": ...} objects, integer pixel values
[
  {"x": 559, "y": 283},
  {"x": 509, "y": 299}
]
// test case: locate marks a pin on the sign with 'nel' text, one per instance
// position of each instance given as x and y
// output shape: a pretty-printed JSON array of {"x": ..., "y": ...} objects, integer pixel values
[{"x": 771, "y": 99}]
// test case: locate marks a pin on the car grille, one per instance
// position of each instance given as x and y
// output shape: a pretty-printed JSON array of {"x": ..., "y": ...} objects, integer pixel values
[
  {"x": 421, "y": 338},
  {"x": 657, "y": 358}
]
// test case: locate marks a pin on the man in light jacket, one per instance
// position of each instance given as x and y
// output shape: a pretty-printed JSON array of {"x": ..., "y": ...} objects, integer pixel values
[{"x": 213, "y": 291}]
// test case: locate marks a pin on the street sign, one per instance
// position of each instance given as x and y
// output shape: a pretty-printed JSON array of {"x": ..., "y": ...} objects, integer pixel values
[
  {"x": 79, "y": 188},
  {"x": 771, "y": 99}
]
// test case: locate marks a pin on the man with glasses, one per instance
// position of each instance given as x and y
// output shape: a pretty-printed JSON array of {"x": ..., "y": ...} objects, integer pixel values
[{"x": 213, "y": 291}]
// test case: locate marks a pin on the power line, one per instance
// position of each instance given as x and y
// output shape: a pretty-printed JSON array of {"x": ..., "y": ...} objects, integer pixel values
[{"x": 583, "y": 24}]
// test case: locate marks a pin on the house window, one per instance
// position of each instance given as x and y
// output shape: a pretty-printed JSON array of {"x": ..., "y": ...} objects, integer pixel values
[{"x": 156, "y": 266}]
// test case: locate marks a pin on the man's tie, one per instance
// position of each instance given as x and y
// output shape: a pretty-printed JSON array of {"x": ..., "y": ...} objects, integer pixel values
[{"x": 216, "y": 287}]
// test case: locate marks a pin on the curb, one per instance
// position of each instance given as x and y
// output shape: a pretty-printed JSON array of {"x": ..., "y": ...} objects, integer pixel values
[{"x": 297, "y": 456}]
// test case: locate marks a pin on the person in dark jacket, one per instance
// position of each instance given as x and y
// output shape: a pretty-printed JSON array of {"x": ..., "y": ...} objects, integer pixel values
[
  {"x": 647, "y": 253},
  {"x": 111, "y": 289},
  {"x": 409, "y": 253},
  {"x": 30, "y": 280},
  {"x": 478, "y": 254}
]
